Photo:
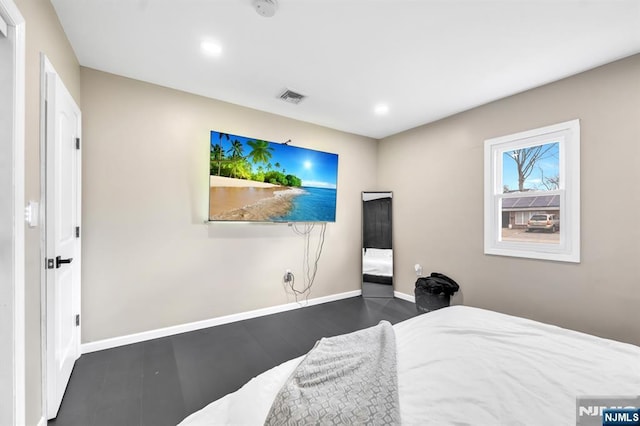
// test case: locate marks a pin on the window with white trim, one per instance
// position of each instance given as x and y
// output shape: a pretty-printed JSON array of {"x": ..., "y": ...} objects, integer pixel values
[
  {"x": 522, "y": 218},
  {"x": 532, "y": 193}
]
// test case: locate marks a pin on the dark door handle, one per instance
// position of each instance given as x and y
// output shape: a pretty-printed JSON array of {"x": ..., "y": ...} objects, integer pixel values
[{"x": 60, "y": 261}]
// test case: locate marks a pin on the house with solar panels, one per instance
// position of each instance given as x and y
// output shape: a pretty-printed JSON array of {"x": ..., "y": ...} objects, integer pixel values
[{"x": 516, "y": 211}]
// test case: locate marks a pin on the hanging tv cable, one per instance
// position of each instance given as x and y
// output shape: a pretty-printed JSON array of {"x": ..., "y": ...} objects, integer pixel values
[{"x": 309, "y": 264}]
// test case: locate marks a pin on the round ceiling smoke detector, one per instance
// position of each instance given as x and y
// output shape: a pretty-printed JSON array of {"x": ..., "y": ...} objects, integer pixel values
[{"x": 266, "y": 8}]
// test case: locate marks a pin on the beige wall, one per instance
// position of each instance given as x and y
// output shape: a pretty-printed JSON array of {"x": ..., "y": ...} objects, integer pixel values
[
  {"x": 43, "y": 34},
  {"x": 149, "y": 261},
  {"x": 436, "y": 173}
]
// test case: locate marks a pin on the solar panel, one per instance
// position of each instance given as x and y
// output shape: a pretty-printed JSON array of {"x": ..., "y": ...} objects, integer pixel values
[
  {"x": 541, "y": 201},
  {"x": 534, "y": 201},
  {"x": 508, "y": 203}
]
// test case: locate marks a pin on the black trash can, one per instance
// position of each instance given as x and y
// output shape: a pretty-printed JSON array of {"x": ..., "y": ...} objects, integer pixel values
[
  {"x": 426, "y": 301},
  {"x": 434, "y": 292}
]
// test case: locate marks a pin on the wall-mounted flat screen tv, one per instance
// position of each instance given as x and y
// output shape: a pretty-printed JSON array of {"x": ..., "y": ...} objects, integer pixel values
[{"x": 252, "y": 180}]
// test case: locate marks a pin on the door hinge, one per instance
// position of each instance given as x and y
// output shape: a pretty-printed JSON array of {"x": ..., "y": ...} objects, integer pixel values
[
  {"x": 51, "y": 264},
  {"x": 77, "y": 320},
  {"x": 77, "y": 232},
  {"x": 77, "y": 143}
]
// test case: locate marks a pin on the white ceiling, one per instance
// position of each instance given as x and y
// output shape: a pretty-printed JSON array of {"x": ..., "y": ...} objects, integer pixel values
[{"x": 425, "y": 59}]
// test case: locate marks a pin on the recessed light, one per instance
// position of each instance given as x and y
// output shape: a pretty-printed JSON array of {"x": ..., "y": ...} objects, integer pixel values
[
  {"x": 211, "y": 48},
  {"x": 381, "y": 109}
]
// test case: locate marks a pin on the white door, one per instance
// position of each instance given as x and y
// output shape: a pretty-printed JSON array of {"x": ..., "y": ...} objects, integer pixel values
[{"x": 62, "y": 235}]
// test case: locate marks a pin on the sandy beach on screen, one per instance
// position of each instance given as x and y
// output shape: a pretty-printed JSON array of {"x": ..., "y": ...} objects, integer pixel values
[{"x": 238, "y": 199}]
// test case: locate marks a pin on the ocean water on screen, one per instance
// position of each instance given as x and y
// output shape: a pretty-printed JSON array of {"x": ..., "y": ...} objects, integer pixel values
[{"x": 315, "y": 205}]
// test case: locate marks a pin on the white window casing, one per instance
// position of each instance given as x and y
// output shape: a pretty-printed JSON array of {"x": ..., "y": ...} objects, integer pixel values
[{"x": 567, "y": 248}]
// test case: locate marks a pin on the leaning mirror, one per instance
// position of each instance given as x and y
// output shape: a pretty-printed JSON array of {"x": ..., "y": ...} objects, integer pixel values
[{"x": 377, "y": 248}]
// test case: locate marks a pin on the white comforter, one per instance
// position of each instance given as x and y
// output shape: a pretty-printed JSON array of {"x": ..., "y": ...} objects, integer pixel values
[
  {"x": 377, "y": 262},
  {"x": 468, "y": 366}
]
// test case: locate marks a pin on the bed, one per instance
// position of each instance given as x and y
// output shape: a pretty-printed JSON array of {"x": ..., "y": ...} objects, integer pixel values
[
  {"x": 377, "y": 265},
  {"x": 468, "y": 366}
]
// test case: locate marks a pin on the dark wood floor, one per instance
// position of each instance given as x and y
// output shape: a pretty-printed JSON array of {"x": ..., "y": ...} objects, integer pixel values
[{"x": 160, "y": 382}]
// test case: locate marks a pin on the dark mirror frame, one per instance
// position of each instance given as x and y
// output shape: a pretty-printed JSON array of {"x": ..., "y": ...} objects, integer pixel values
[{"x": 377, "y": 244}]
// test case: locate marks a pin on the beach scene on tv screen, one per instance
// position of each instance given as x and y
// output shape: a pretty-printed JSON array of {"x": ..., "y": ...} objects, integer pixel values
[{"x": 256, "y": 180}]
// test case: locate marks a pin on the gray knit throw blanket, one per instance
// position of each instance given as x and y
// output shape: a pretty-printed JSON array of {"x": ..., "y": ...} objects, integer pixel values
[{"x": 344, "y": 380}]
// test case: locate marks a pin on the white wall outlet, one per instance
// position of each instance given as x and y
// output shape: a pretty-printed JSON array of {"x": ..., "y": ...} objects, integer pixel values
[{"x": 418, "y": 269}]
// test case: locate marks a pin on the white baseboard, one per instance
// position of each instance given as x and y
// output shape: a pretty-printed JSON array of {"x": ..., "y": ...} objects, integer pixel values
[
  {"x": 199, "y": 325},
  {"x": 404, "y": 296},
  {"x": 42, "y": 422}
]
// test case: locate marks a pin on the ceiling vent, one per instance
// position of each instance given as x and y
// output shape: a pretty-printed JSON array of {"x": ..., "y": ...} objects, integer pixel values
[{"x": 292, "y": 97}]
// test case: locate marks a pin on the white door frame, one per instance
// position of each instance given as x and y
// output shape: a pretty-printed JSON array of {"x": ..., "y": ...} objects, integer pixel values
[{"x": 12, "y": 16}]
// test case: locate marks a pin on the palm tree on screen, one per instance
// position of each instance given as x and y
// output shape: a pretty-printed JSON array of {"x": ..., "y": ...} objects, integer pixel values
[
  {"x": 217, "y": 155},
  {"x": 260, "y": 151},
  {"x": 236, "y": 149}
]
